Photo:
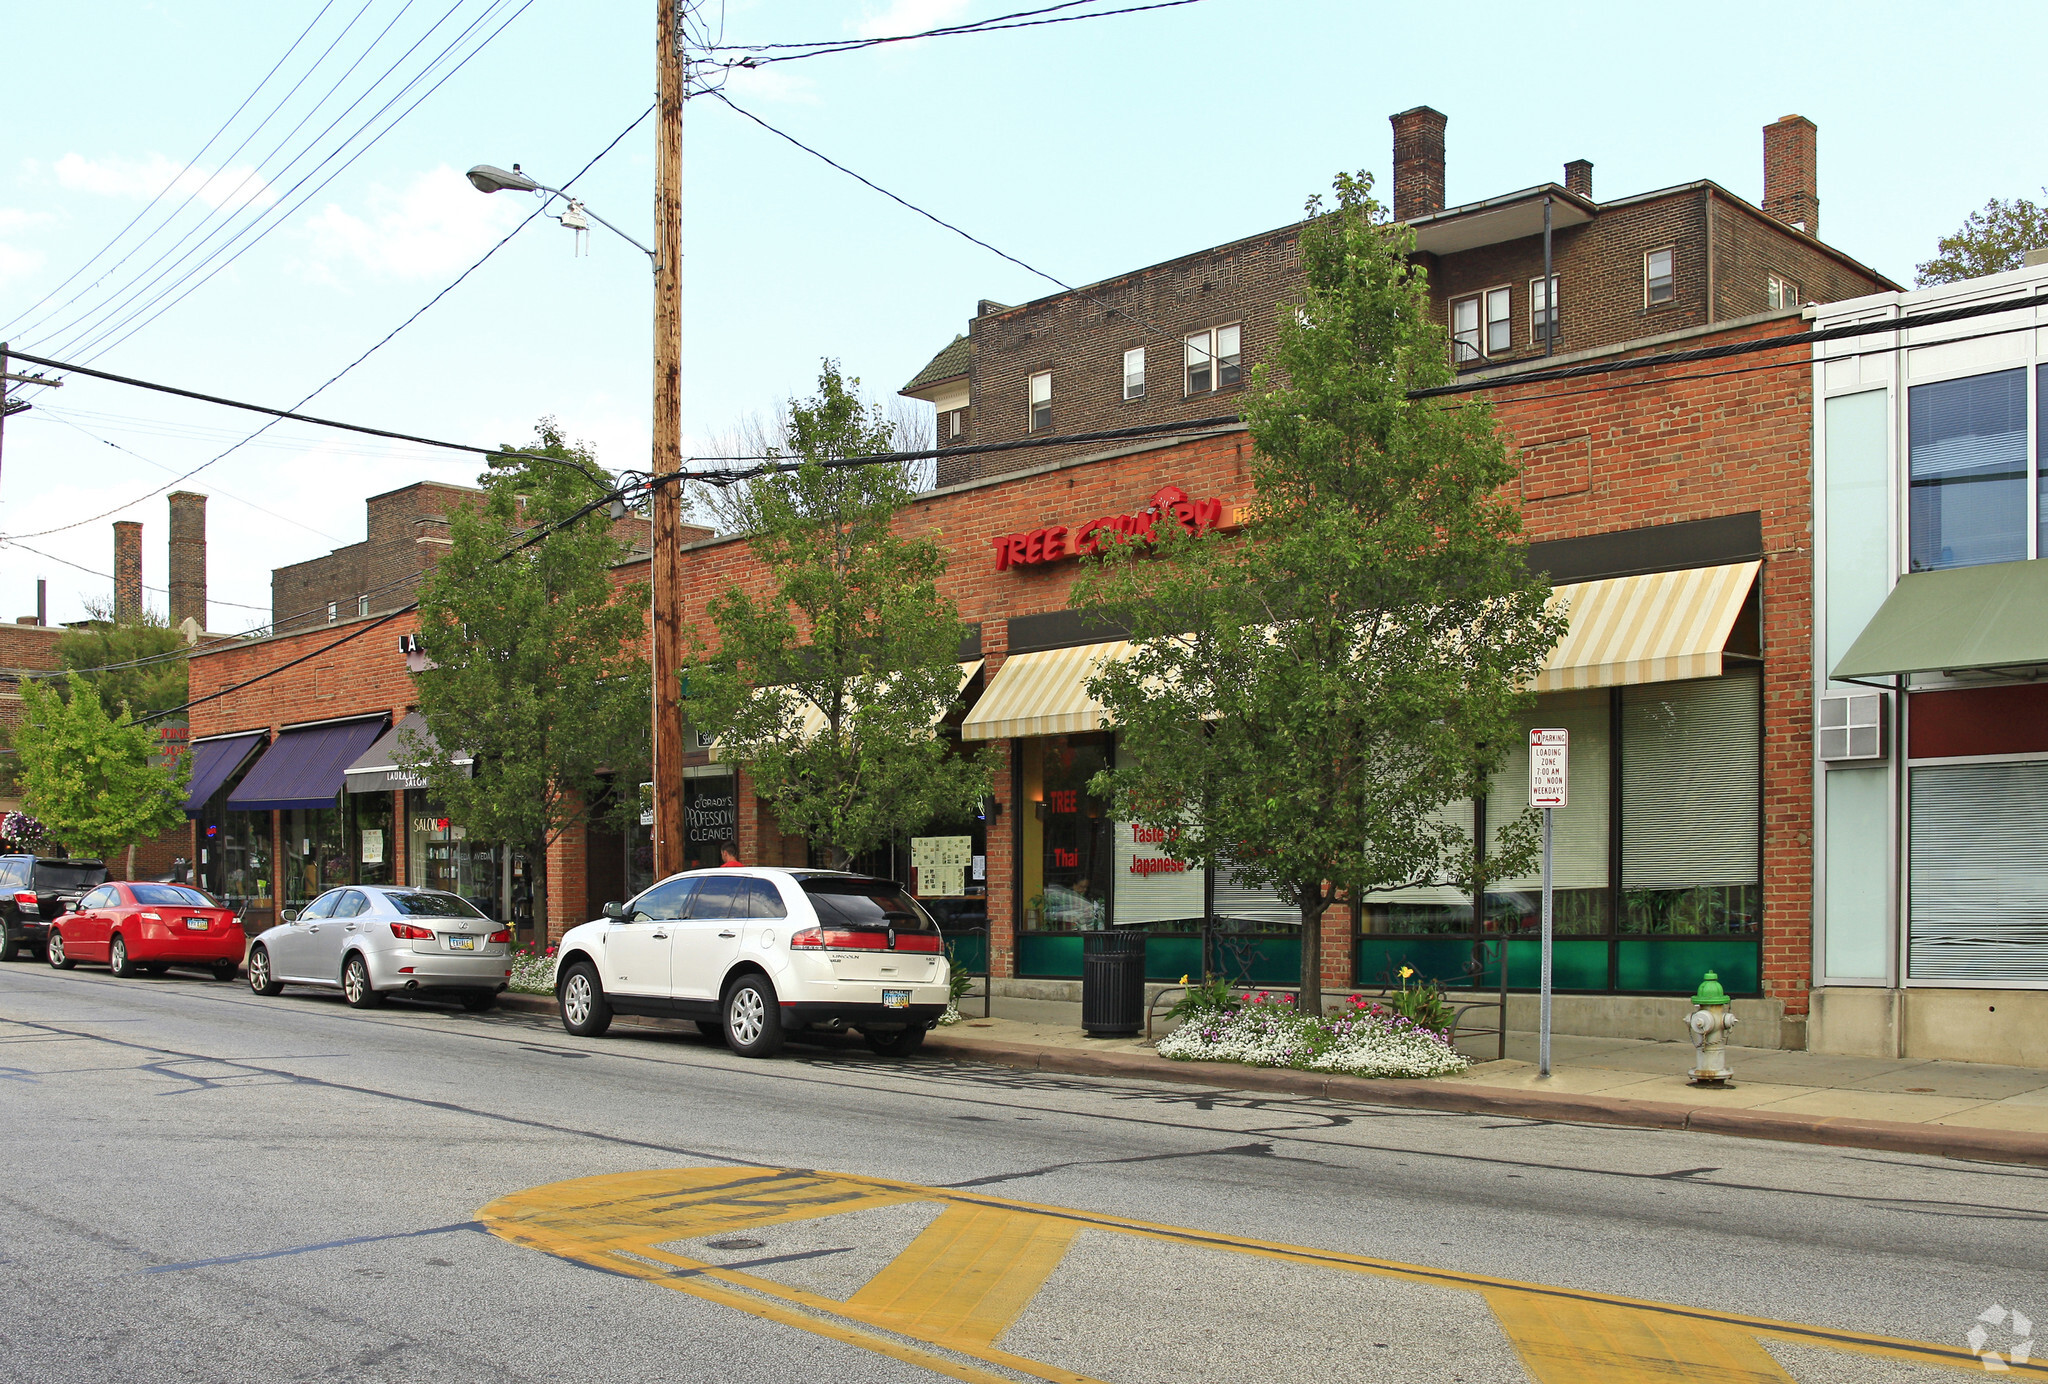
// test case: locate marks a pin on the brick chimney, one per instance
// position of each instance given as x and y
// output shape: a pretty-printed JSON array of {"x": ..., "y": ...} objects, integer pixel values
[
  {"x": 1578, "y": 177},
  {"x": 188, "y": 558},
  {"x": 127, "y": 569},
  {"x": 1418, "y": 162},
  {"x": 1791, "y": 173}
]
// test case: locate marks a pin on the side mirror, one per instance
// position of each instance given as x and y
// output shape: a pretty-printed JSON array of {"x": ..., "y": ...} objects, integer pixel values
[
  {"x": 615, "y": 909},
  {"x": 290, "y": 915}
]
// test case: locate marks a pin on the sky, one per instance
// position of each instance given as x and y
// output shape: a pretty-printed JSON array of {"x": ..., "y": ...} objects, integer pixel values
[{"x": 1083, "y": 149}]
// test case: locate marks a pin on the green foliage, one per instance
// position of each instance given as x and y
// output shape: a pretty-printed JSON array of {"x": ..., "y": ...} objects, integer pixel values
[
  {"x": 538, "y": 666},
  {"x": 104, "y": 641},
  {"x": 1991, "y": 241},
  {"x": 1211, "y": 995},
  {"x": 1421, "y": 1002},
  {"x": 825, "y": 688},
  {"x": 95, "y": 780},
  {"x": 1306, "y": 699}
]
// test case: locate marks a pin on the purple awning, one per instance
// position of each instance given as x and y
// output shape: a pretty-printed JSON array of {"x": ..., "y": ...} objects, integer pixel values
[
  {"x": 213, "y": 763},
  {"x": 304, "y": 767}
]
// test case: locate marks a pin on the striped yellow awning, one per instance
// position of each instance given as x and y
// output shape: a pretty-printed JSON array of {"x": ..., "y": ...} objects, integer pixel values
[
  {"x": 1660, "y": 627},
  {"x": 814, "y": 716},
  {"x": 1042, "y": 694}
]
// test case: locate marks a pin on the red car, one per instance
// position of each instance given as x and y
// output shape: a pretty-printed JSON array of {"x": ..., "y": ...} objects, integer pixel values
[{"x": 136, "y": 927}]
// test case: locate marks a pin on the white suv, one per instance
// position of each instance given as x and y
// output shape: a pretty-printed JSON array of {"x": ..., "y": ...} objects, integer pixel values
[{"x": 753, "y": 953}]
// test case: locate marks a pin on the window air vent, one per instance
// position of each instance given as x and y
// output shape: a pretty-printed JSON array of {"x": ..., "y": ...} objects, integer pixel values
[{"x": 1852, "y": 726}]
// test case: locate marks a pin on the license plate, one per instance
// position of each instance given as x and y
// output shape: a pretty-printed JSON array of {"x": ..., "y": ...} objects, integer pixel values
[
  {"x": 457, "y": 942},
  {"x": 196, "y": 924},
  {"x": 895, "y": 999}
]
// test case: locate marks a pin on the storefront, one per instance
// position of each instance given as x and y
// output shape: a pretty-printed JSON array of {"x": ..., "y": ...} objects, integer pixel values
[
  {"x": 231, "y": 848},
  {"x": 299, "y": 779},
  {"x": 1931, "y": 728}
]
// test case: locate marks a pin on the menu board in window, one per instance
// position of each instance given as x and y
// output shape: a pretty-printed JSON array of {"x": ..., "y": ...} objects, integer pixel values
[
  {"x": 940, "y": 863},
  {"x": 1151, "y": 886}
]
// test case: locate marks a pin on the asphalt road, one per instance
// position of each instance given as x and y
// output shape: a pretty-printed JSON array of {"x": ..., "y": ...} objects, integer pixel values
[{"x": 202, "y": 1184}]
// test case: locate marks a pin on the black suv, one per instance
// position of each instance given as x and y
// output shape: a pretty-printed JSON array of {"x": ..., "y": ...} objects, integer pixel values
[{"x": 33, "y": 891}]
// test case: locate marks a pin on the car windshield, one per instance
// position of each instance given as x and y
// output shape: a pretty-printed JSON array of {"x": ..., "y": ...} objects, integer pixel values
[
  {"x": 433, "y": 905},
  {"x": 866, "y": 904},
  {"x": 63, "y": 877},
  {"x": 173, "y": 894}
]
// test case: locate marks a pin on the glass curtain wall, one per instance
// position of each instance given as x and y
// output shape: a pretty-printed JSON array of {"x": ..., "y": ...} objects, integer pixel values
[{"x": 1665, "y": 816}]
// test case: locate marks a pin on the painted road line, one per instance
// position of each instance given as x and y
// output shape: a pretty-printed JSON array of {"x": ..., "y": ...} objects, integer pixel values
[{"x": 949, "y": 1295}]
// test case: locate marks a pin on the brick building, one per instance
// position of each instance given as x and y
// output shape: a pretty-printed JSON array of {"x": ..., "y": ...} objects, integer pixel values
[
  {"x": 1673, "y": 510},
  {"x": 296, "y": 784},
  {"x": 1175, "y": 341}
]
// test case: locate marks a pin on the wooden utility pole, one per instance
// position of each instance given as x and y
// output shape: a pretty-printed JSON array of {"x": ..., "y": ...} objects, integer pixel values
[{"x": 667, "y": 499}]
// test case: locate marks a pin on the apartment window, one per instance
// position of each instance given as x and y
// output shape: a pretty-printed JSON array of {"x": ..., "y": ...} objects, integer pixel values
[
  {"x": 1543, "y": 311},
  {"x": 1967, "y": 458},
  {"x": 956, "y": 423},
  {"x": 1214, "y": 360},
  {"x": 1659, "y": 282},
  {"x": 1500, "y": 322},
  {"x": 333, "y": 612},
  {"x": 1041, "y": 401},
  {"x": 1134, "y": 373},
  {"x": 1465, "y": 331},
  {"x": 1782, "y": 292},
  {"x": 362, "y": 605}
]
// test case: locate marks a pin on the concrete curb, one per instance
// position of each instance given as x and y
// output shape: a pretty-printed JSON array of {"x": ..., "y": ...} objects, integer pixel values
[{"x": 1888, "y": 1136}]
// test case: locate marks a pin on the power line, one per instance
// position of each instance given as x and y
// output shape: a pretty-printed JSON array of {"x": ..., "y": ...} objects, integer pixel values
[
  {"x": 987, "y": 26},
  {"x": 92, "y": 572},
  {"x": 332, "y": 379},
  {"x": 281, "y": 216},
  {"x": 187, "y": 168}
]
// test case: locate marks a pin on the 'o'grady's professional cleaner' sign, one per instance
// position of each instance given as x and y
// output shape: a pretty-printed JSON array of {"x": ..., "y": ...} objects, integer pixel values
[{"x": 1057, "y": 541}]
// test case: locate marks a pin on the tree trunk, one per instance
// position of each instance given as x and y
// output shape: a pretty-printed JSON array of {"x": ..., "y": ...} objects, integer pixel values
[
  {"x": 537, "y": 869},
  {"x": 130, "y": 874},
  {"x": 1313, "y": 906}
]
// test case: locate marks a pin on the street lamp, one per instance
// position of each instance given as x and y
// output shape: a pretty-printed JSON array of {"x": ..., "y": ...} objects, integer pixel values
[{"x": 490, "y": 178}]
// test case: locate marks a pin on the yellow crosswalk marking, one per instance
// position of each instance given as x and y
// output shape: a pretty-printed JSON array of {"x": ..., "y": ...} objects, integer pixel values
[
  {"x": 968, "y": 1276},
  {"x": 1571, "y": 1341}
]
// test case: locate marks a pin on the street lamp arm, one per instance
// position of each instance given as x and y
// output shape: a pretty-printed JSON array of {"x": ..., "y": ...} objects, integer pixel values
[{"x": 652, "y": 257}]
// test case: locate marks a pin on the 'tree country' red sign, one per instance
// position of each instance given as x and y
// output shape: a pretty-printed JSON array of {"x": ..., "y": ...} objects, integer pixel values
[{"x": 1057, "y": 541}]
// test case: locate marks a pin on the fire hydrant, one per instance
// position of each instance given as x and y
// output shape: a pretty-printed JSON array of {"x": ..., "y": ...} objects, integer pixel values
[{"x": 1709, "y": 1023}]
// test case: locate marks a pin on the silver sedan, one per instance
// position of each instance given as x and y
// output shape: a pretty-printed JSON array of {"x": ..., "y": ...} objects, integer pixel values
[{"x": 368, "y": 941}]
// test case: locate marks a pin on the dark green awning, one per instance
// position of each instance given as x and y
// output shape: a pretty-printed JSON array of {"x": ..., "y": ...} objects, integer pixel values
[{"x": 1963, "y": 619}]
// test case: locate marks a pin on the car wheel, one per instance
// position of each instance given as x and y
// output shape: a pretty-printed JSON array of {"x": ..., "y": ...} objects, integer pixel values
[
  {"x": 585, "y": 1012},
  {"x": 259, "y": 973},
  {"x": 9, "y": 948},
  {"x": 55, "y": 952},
  {"x": 753, "y": 1019},
  {"x": 479, "y": 1001},
  {"x": 225, "y": 971},
  {"x": 355, "y": 983},
  {"x": 895, "y": 1042},
  {"x": 712, "y": 1029},
  {"x": 117, "y": 958}
]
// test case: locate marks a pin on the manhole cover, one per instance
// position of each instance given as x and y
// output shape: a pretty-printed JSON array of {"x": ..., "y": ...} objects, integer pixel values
[{"x": 735, "y": 1242}]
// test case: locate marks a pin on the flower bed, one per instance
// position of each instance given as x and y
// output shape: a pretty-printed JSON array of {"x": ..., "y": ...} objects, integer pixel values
[
  {"x": 533, "y": 971},
  {"x": 1265, "y": 1030}
]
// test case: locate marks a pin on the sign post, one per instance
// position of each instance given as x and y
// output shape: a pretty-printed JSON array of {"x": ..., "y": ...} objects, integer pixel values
[{"x": 1549, "y": 789}]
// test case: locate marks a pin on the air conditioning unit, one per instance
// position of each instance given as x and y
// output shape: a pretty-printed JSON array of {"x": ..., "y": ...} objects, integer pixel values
[{"x": 1852, "y": 726}]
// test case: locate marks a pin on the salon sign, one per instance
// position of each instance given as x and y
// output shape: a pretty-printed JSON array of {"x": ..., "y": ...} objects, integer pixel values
[{"x": 1056, "y": 542}]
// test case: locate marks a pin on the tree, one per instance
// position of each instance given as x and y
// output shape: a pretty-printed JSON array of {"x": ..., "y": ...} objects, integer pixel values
[
  {"x": 97, "y": 782},
  {"x": 536, "y": 659},
  {"x": 97, "y": 648},
  {"x": 826, "y": 689},
  {"x": 1991, "y": 241},
  {"x": 1306, "y": 698}
]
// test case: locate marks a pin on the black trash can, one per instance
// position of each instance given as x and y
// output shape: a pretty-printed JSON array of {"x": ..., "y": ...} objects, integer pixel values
[{"x": 1113, "y": 982}]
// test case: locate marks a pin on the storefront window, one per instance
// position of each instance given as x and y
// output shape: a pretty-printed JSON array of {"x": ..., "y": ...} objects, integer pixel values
[
  {"x": 315, "y": 858},
  {"x": 370, "y": 843},
  {"x": 710, "y": 814},
  {"x": 1580, "y": 832},
  {"x": 235, "y": 848},
  {"x": 441, "y": 855},
  {"x": 1691, "y": 768},
  {"x": 1069, "y": 856},
  {"x": 1968, "y": 457},
  {"x": 640, "y": 845}
]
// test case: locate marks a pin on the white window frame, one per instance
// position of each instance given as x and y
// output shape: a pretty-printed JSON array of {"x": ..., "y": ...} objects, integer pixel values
[
  {"x": 1038, "y": 393},
  {"x": 956, "y": 422},
  {"x": 1203, "y": 351},
  {"x": 1506, "y": 294},
  {"x": 1134, "y": 381},
  {"x": 362, "y": 606},
  {"x": 1550, "y": 301},
  {"x": 1781, "y": 292},
  {"x": 1463, "y": 350},
  {"x": 1650, "y": 300},
  {"x": 333, "y": 611}
]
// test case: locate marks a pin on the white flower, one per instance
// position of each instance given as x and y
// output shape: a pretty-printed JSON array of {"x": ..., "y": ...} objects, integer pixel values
[{"x": 1277, "y": 1036}]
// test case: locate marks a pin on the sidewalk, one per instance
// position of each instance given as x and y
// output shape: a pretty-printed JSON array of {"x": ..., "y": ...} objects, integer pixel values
[{"x": 1945, "y": 1109}]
